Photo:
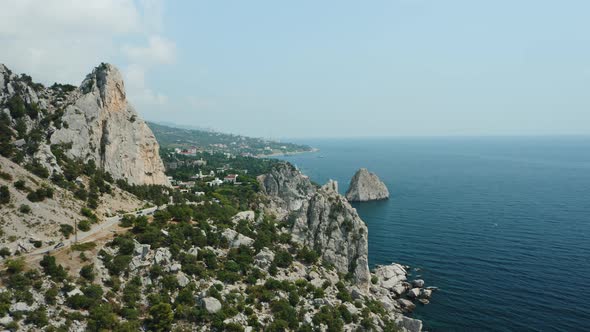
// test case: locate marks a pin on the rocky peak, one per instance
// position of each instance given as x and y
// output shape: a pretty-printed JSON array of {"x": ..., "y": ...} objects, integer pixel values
[
  {"x": 95, "y": 121},
  {"x": 366, "y": 186},
  {"x": 321, "y": 219},
  {"x": 289, "y": 185},
  {"x": 107, "y": 82}
]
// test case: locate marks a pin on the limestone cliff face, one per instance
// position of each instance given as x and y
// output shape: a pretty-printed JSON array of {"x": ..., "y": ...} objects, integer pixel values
[
  {"x": 321, "y": 219},
  {"x": 103, "y": 126},
  {"x": 95, "y": 121},
  {"x": 366, "y": 186}
]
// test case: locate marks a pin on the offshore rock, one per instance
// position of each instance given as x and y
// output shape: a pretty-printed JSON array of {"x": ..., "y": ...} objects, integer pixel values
[{"x": 366, "y": 186}]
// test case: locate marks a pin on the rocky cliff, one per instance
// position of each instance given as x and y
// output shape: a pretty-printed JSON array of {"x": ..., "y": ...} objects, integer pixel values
[
  {"x": 321, "y": 219},
  {"x": 94, "y": 122},
  {"x": 366, "y": 186}
]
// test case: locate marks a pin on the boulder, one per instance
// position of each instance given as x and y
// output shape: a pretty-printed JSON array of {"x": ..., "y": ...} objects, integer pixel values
[
  {"x": 21, "y": 306},
  {"x": 399, "y": 289},
  {"x": 406, "y": 304},
  {"x": 75, "y": 291},
  {"x": 236, "y": 239},
  {"x": 410, "y": 324},
  {"x": 183, "y": 280},
  {"x": 4, "y": 321},
  {"x": 418, "y": 283},
  {"x": 264, "y": 258},
  {"x": 424, "y": 301},
  {"x": 211, "y": 304},
  {"x": 163, "y": 256},
  {"x": 141, "y": 250},
  {"x": 175, "y": 267},
  {"x": 390, "y": 276},
  {"x": 414, "y": 293},
  {"x": 366, "y": 186},
  {"x": 244, "y": 215},
  {"x": 425, "y": 293}
]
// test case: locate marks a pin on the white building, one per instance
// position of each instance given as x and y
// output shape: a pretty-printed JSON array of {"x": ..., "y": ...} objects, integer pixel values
[{"x": 214, "y": 183}]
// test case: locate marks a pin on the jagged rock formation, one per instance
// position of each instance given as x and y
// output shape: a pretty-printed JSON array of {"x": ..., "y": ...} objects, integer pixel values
[
  {"x": 95, "y": 122},
  {"x": 366, "y": 186},
  {"x": 321, "y": 219}
]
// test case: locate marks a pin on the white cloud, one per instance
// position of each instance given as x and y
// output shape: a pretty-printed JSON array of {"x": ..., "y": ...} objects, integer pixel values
[
  {"x": 59, "y": 18},
  {"x": 62, "y": 40},
  {"x": 139, "y": 94},
  {"x": 158, "y": 51}
]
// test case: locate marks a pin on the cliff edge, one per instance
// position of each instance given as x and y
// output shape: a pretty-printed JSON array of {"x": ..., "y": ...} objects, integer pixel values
[{"x": 321, "y": 219}]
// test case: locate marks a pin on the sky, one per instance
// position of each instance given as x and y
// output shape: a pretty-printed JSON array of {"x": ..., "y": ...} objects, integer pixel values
[{"x": 325, "y": 68}]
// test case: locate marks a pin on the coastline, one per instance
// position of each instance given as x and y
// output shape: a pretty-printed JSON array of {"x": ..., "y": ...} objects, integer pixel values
[{"x": 277, "y": 154}]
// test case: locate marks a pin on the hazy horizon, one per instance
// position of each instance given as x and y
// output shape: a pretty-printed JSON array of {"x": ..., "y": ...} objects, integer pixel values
[{"x": 333, "y": 69}]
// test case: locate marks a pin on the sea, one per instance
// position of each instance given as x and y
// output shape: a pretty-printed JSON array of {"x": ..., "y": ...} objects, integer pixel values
[{"x": 500, "y": 224}]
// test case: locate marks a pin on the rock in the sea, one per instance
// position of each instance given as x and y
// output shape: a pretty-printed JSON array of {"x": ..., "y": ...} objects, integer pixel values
[
  {"x": 211, "y": 304},
  {"x": 406, "y": 304},
  {"x": 414, "y": 293},
  {"x": 366, "y": 186},
  {"x": 425, "y": 293},
  {"x": 418, "y": 283}
]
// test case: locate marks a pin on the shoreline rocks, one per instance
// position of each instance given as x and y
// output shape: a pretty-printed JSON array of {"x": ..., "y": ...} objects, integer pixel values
[{"x": 366, "y": 186}]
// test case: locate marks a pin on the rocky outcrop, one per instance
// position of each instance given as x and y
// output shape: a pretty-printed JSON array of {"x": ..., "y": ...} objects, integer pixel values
[
  {"x": 103, "y": 126},
  {"x": 320, "y": 219},
  {"x": 95, "y": 121},
  {"x": 366, "y": 186},
  {"x": 211, "y": 304}
]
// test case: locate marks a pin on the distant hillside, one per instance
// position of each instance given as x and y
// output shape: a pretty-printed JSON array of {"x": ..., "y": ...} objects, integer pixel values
[{"x": 172, "y": 137}]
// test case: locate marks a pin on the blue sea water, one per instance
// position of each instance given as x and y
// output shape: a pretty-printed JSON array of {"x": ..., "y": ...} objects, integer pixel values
[{"x": 501, "y": 225}]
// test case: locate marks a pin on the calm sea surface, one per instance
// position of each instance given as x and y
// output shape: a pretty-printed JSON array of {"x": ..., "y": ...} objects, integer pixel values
[{"x": 501, "y": 225}]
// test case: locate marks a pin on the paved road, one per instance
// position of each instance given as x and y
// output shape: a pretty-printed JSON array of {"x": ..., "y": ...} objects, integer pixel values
[{"x": 108, "y": 223}]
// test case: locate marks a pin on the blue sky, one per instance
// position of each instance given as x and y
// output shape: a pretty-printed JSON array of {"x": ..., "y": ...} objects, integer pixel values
[{"x": 338, "y": 68}]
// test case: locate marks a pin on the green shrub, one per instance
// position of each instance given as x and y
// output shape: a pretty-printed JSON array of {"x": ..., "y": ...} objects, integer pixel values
[
  {"x": 308, "y": 256},
  {"x": 4, "y": 195},
  {"x": 52, "y": 269},
  {"x": 5, "y": 176},
  {"x": 4, "y": 252},
  {"x": 20, "y": 185},
  {"x": 66, "y": 230},
  {"x": 161, "y": 318},
  {"x": 84, "y": 225},
  {"x": 24, "y": 208},
  {"x": 84, "y": 246},
  {"x": 37, "y": 317},
  {"x": 283, "y": 259},
  {"x": 15, "y": 265},
  {"x": 40, "y": 194}
]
